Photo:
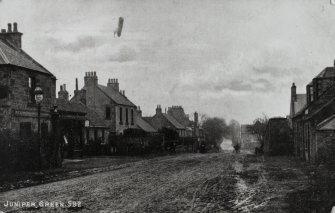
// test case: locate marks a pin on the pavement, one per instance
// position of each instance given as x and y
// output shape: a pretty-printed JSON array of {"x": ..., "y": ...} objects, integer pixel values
[{"x": 214, "y": 182}]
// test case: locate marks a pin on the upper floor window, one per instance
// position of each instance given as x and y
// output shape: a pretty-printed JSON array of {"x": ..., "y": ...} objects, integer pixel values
[
  {"x": 311, "y": 93},
  {"x": 3, "y": 92},
  {"x": 121, "y": 115},
  {"x": 108, "y": 113},
  {"x": 127, "y": 117},
  {"x": 132, "y": 116},
  {"x": 31, "y": 85}
]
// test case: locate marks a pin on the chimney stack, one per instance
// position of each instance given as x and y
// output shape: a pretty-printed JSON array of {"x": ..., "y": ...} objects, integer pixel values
[
  {"x": 91, "y": 79},
  {"x": 63, "y": 94},
  {"x": 15, "y": 27},
  {"x": 9, "y": 28},
  {"x": 113, "y": 83},
  {"x": 139, "y": 111},
  {"x": 76, "y": 84},
  {"x": 13, "y": 36},
  {"x": 293, "y": 92},
  {"x": 158, "y": 110}
]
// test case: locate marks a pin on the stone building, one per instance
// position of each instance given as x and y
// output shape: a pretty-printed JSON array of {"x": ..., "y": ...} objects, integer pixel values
[
  {"x": 163, "y": 120},
  {"x": 19, "y": 75},
  {"x": 312, "y": 124},
  {"x": 71, "y": 122},
  {"x": 192, "y": 127},
  {"x": 144, "y": 124},
  {"x": 110, "y": 103},
  {"x": 277, "y": 138}
]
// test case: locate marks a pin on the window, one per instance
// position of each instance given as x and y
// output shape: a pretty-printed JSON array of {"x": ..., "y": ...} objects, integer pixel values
[
  {"x": 311, "y": 94},
  {"x": 121, "y": 115},
  {"x": 127, "y": 121},
  {"x": 25, "y": 130},
  {"x": 3, "y": 92},
  {"x": 32, "y": 85},
  {"x": 132, "y": 117},
  {"x": 108, "y": 113}
]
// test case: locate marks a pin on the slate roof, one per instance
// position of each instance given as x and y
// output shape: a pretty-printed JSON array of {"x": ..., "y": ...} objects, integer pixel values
[
  {"x": 71, "y": 107},
  {"x": 116, "y": 96},
  {"x": 145, "y": 125},
  {"x": 9, "y": 54},
  {"x": 326, "y": 73},
  {"x": 327, "y": 124},
  {"x": 173, "y": 121}
]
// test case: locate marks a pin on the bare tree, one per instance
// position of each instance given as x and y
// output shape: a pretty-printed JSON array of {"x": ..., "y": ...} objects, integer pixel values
[{"x": 258, "y": 128}]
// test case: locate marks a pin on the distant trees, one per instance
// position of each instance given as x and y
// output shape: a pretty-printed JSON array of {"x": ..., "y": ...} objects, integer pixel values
[
  {"x": 258, "y": 128},
  {"x": 215, "y": 129}
]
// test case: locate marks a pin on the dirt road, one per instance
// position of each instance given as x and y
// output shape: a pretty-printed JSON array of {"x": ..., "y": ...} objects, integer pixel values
[{"x": 218, "y": 182}]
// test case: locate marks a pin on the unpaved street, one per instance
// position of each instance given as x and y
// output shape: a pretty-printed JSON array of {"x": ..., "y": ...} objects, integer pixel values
[{"x": 217, "y": 182}]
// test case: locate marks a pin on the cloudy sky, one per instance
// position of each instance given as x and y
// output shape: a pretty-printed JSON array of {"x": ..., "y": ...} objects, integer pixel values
[{"x": 231, "y": 58}]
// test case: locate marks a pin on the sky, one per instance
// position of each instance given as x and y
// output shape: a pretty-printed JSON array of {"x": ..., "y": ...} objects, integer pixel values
[{"x": 234, "y": 59}]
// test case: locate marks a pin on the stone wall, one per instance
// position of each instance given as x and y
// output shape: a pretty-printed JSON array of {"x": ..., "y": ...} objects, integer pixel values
[
  {"x": 18, "y": 107},
  {"x": 325, "y": 147}
]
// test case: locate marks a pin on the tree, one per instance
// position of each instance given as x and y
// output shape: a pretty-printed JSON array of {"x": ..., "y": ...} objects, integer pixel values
[
  {"x": 258, "y": 128},
  {"x": 214, "y": 129}
]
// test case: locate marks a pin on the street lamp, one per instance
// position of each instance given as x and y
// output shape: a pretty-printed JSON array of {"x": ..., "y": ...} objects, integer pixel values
[{"x": 38, "y": 99}]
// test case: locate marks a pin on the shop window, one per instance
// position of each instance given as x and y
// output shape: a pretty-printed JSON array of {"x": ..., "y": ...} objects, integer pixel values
[
  {"x": 25, "y": 130},
  {"x": 44, "y": 130}
]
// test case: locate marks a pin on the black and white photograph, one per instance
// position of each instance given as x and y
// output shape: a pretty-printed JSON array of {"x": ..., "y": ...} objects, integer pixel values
[{"x": 167, "y": 106}]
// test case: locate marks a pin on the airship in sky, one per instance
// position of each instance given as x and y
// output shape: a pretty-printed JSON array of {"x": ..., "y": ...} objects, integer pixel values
[{"x": 118, "y": 30}]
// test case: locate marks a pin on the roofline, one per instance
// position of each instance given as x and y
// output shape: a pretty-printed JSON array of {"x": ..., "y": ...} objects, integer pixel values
[
  {"x": 324, "y": 122},
  {"x": 172, "y": 123},
  {"x": 114, "y": 100},
  {"x": 50, "y": 74}
]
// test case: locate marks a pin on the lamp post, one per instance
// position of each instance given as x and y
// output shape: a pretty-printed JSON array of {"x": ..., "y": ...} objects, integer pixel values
[{"x": 38, "y": 99}]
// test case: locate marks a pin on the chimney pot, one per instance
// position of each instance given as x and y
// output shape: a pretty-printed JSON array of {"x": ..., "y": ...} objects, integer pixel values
[
  {"x": 9, "y": 28},
  {"x": 61, "y": 87},
  {"x": 76, "y": 84},
  {"x": 15, "y": 27},
  {"x": 64, "y": 87},
  {"x": 3, "y": 30}
]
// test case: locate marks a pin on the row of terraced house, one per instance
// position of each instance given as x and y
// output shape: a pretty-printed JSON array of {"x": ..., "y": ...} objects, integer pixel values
[
  {"x": 312, "y": 118},
  {"x": 96, "y": 113}
]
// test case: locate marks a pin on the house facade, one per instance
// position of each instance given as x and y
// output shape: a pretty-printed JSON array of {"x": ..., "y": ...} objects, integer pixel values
[
  {"x": 312, "y": 124},
  {"x": 110, "y": 103},
  {"x": 19, "y": 76},
  {"x": 163, "y": 120}
]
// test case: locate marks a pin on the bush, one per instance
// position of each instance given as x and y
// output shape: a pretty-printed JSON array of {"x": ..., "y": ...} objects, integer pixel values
[{"x": 23, "y": 154}]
